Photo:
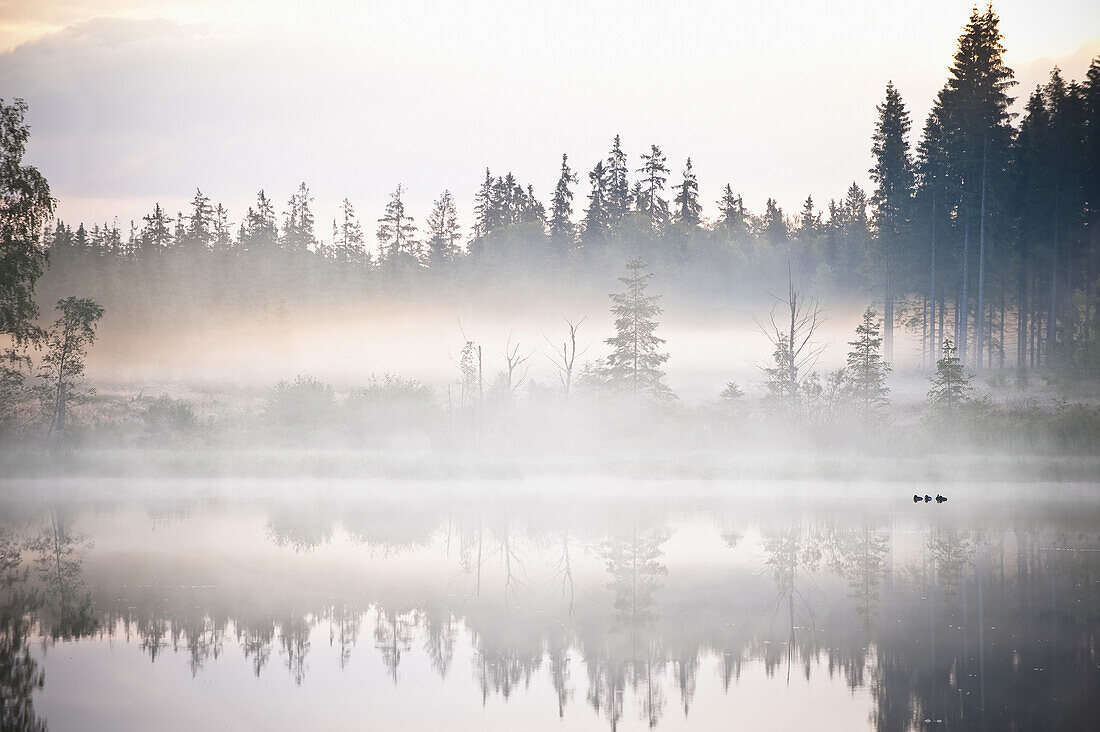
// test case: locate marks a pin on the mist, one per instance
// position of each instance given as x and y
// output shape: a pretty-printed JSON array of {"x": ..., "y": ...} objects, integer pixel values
[{"x": 485, "y": 368}]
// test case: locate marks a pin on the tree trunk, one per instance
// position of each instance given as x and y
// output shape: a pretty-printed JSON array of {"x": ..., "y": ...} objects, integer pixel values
[
  {"x": 962, "y": 316},
  {"x": 980, "y": 323}
]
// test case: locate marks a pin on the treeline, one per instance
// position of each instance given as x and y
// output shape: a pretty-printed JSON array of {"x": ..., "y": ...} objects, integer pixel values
[{"x": 984, "y": 231}]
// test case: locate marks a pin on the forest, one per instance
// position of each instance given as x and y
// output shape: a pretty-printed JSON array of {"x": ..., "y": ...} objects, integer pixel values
[{"x": 974, "y": 261}]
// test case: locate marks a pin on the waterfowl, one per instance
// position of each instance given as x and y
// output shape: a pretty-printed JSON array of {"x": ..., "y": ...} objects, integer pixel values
[
  {"x": 916, "y": 498},
  {"x": 940, "y": 499},
  {"x": 927, "y": 498}
]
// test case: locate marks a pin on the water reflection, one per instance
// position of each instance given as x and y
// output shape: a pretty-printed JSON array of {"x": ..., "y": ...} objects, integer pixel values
[{"x": 984, "y": 620}]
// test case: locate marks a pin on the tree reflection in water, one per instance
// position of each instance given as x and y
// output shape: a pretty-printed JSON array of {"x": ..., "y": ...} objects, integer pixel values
[{"x": 979, "y": 624}]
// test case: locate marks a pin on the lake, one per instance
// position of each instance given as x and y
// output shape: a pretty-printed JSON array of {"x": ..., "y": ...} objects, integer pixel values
[{"x": 547, "y": 605}]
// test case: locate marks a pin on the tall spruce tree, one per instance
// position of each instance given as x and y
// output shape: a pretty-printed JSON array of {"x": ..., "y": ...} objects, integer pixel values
[
  {"x": 298, "y": 233},
  {"x": 261, "y": 232},
  {"x": 867, "y": 371},
  {"x": 397, "y": 232},
  {"x": 443, "y": 230},
  {"x": 156, "y": 233},
  {"x": 733, "y": 220},
  {"x": 648, "y": 199},
  {"x": 200, "y": 223},
  {"x": 891, "y": 202},
  {"x": 634, "y": 365},
  {"x": 974, "y": 110},
  {"x": 688, "y": 209},
  {"x": 348, "y": 236},
  {"x": 562, "y": 232},
  {"x": 596, "y": 227},
  {"x": 618, "y": 184}
]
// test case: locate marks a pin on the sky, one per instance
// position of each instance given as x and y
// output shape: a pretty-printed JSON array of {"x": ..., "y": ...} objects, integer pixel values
[{"x": 137, "y": 101}]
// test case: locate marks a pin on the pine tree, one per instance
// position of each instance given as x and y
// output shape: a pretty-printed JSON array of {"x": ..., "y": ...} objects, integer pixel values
[
  {"x": 443, "y": 230},
  {"x": 597, "y": 219},
  {"x": 634, "y": 365},
  {"x": 396, "y": 231},
  {"x": 688, "y": 209},
  {"x": 618, "y": 184},
  {"x": 951, "y": 385},
  {"x": 648, "y": 198},
  {"x": 562, "y": 231},
  {"x": 893, "y": 177},
  {"x": 866, "y": 376}
]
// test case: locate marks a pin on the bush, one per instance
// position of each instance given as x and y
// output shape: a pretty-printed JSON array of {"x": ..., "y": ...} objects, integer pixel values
[
  {"x": 305, "y": 403},
  {"x": 168, "y": 416}
]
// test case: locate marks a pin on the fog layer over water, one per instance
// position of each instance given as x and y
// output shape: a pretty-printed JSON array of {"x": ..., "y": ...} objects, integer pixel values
[{"x": 495, "y": 605}]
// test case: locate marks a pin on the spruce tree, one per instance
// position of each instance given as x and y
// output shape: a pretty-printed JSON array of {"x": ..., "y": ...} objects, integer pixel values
[
  {"x": 156, "y": 234},
  {"x": 298, "y": 234},
  {"x": 396, "y": 232},
  {"x": 597, "y": 219},
  {"x": 772, "y": 227},
  {"x": 348, "y": 235},
  {"x": 688, "y": 209},
  {"x": 443, "y": 230},
  {"x": 200, "y": 222},
  {"x": 732, "y": 217},
  {"x": 260, "y": 229},
  {"x": 618, "y": 184},
  {"x": 809, "y": 222},
  {"x": 562, "y": 231},
  {"x": 634, "y": 365},
  {"x": 648, "y": 200},
  {"x": 892, "y": 174},
  {"x": 866, "y": 377},
  {"x": 951, "y": 385}
]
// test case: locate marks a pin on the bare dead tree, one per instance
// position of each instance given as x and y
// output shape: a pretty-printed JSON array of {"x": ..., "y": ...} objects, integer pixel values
[
  {"x": 517, "y": 366},
  {"x": 565, "y": 358},
  {"x": 791, "y": 328}
]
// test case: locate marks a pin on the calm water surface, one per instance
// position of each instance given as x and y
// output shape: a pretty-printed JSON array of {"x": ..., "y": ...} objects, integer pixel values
[{"x": 548, "y": 607}]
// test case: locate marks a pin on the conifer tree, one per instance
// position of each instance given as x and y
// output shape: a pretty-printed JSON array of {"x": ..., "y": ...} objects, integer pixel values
[
  {"x": 260, "y": 230},
  {"x": 634, "y": 365},
  {"x": 396, "y": 231},
  {"x": 773, "y": 224},
  {"x": 688, "y": 209},
  {"x": 951, "y": 385},
  {"x": 809, "y": 222},
  {"x": 648, "y": 198},
  {"x": 562, "y": 231},
  {"x": 866, "y": 377},
  {"x": 221, "y": 234},
  {"x": 298, "y": 234},
  {"x": 156, "y": 233},
  {"x": 974, "y": 110},
  {"x": 893, "y": 177},
  {"x": 443, "y": 230},
  {"x": 732, "y": 217},
  {"x": 200, "y": 222},
  {"x": 618, "y": 184},
  {"x": 597, "y": 219},
  {"x": 348, "y": 236},
  {"x": 484, "y": 213}
]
